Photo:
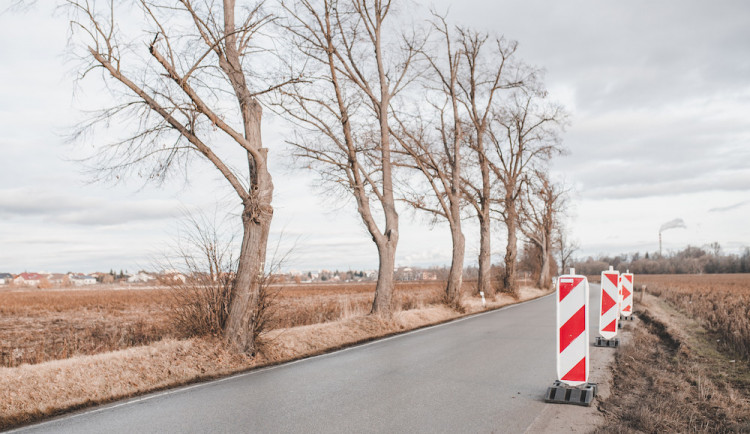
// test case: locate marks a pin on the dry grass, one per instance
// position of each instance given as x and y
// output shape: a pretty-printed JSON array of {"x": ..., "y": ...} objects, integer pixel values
[
  {"x": 660, "y": 388},
  {"x": 36, "y": 326},
  {"x": 679, "y": 373},
  {"x": 41, "y": 325},
  {"x": 32, "y": 392},
  {"x": 299, "y": 305},
  {"x": 721, "y": 302}
]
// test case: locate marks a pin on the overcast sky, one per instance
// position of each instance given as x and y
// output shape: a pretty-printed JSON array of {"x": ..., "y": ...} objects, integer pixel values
[{"x": 659, "y": 94}]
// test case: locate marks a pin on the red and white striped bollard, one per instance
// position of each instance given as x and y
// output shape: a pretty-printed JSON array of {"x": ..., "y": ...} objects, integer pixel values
[{"x": 572, "y": 329}]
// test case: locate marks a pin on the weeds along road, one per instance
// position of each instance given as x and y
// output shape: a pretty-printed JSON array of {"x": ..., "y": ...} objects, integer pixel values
[{"x": 486, "y": 373}]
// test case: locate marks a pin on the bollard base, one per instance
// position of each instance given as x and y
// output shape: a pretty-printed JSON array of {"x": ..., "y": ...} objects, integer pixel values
[
  {"x": 561, "y": 393},
  {"x": 601, "y": 342}
]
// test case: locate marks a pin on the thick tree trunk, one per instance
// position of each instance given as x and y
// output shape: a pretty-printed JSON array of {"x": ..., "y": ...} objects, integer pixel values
[
  {"x": 455, "y": 276},
  {"x": 544, "y": 274},
  {"x": 243, "y": 308},
  {"x": 511, "y": 250},
  {"x": 244, "y": 302},
  {"x": 382, "y": 304},
  {"x": 484, "y": 283}
]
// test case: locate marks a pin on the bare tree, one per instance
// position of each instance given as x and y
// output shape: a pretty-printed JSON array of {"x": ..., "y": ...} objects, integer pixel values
[
  {"x": 523, "y": 133},
  {"x": 565, "y": 248},
  {"x": 490, "y": 69},
  {"x": 541, "y": 204},
  {"x": 438, "y": 156},
  {"x": 353, "y": 73},
  {"x": 186, "y": 77}
]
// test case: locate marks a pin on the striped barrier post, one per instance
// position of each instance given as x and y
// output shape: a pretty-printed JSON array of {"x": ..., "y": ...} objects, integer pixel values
[
  {"x": 627, "y": 295},
  {"x": 609, "y": 309},
  {"x": 619, "y": 290},
  {"x": 572, "y": 343}
]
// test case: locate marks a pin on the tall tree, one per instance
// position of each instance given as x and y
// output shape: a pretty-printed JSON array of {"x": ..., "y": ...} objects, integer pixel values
[
  {"x": 184, "y": 80},
  {"x": 524, "y": 133},
  {"x": 542, "y": 203},
  {"x": 437, "y": 156},
  {"x": 490, "y": 68},
  {"x": 354, "y": 69}
]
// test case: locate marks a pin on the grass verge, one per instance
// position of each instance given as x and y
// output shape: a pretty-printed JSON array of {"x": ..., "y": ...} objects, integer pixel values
[
  {"x": 30, "y": 393},
  {"x": 674, "y": 377}
]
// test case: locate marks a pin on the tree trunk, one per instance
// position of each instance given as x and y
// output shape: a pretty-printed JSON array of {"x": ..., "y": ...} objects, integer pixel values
[
  {"x": 485, "y": 258},
  {"x": 544, "y": 274},
  {"x": 485, "y": 232},
  {"x": 383, "y": 301},
  {"x": 511, "y": 250},
  {"x": 257, "y": 213},
  {"x": 244, "y": 301},
  {"x": 455, "y": 276}
]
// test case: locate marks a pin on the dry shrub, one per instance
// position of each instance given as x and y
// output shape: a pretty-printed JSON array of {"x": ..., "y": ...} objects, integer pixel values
[
  {"x": 720, "y": 302},
  {"x": 200, "y": 306},
  {"x": 201, "y": 303}
]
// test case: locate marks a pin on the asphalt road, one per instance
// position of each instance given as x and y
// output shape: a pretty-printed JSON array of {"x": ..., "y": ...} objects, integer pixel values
[{"x": 486, "y": 373}]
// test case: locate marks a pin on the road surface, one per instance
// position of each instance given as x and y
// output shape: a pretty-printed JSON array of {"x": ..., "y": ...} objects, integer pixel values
[{"x": 486, "y": 373}]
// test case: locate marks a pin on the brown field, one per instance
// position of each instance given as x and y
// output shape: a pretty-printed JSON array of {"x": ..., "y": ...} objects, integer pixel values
[
  {"x": 720, "y": 302},
  {"x": 42, "y": 325}
]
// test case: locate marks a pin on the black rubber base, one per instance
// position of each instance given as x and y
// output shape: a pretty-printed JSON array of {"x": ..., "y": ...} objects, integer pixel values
[
  {"x": 561, "y": 393},
  {"x": 601, "y": 342}
]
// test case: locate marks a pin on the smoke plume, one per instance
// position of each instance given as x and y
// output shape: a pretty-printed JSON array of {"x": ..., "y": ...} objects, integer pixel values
[{"x": 672, "y": 224}]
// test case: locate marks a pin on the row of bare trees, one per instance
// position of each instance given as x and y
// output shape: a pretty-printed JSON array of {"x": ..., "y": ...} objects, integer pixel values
[
  {"x": 386, "y": 109},
  {"x": 449, "y": 116}
]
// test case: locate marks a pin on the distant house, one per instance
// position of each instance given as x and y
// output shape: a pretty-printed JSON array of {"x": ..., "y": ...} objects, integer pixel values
[
  {"x": 141, "y": 277},
  {"x": 172, "y": 276},
  {"x": 81, "y": 279},
  {"x": 29, "y": 279},
  {"x": 57, "y": 279},
  {"x": 5, "y": 278}
]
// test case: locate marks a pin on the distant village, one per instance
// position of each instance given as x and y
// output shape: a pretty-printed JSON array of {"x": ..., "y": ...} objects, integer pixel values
[{"x": 44, "y": 280}]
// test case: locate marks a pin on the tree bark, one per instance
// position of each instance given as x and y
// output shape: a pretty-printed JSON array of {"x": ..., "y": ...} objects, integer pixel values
[
  {"x": 511, "y": 250},
  {"x": 455, "y": 276},
  {"x": 382, "y": 304},
  {"x": 243, "y": 308},
  {"x": 484, "y": 283},
  {"x": 544, "y": 275},
  {"x": 256, "y": 222}
]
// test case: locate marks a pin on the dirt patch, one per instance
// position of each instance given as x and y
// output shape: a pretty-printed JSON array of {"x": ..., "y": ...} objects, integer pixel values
[{"x": 664, "y": 382}]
